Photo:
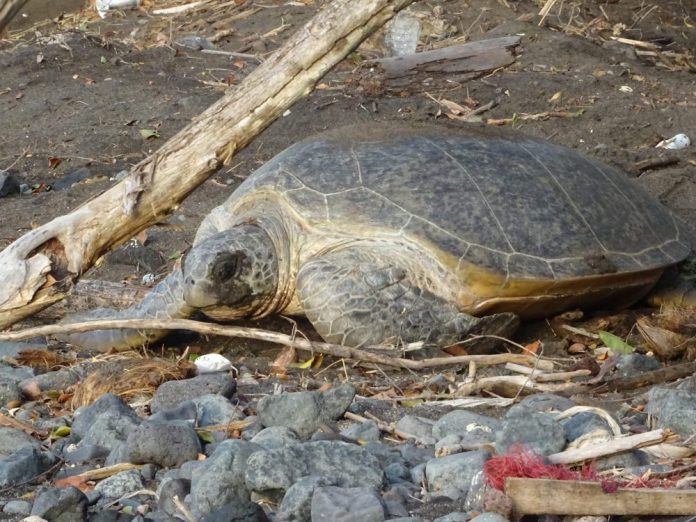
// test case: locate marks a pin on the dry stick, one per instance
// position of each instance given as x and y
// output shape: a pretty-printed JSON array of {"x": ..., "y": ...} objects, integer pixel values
[
  {"x": 261, "y": 335},
  {"x": 511, "y": 383},
  {"x": 67, "y": 246},
  {"x": 616, "y": 445},
  {"x": 384, "y": 427}
]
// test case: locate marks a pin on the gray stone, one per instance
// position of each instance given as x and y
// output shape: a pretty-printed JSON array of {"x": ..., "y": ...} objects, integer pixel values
[
  {"x": 470, "y": 427},
  {"x": 165, "y": 444},
  {"x": 121, "y": 484},
  {"x": 220, "y": 478},
  {"x": 305, "y": 412},
  {"x": 109, "y": 429},
  {"x": 167, "y": 490},
  {"x": 538, "y": 432},
  {"x": 12, "y": 439},
  {"x": 24, "y": 465},
  {"x": 396, "y": 472},
  {"x": 364, "y": 431},
  {"x": 417, "y": 426},
  {"x": 583, "y": 423},
  {"x": 623, "y": 460},
  {"x": 454, "y": 474},
  {"x": 396, "y": 499},
  {"x": 237, "y": 511},
  {"x": 85, "y": 452},
  {"x": 12, "y": 348},
  {"x": 173, "y": 393},
  {"x": 108, "y": 403},
  {"x": 58, "y": 380},
  {"x": 216, "y": 409},
  {"x": 186, "y": 411},
  {"x": 8, "y": 184},
  {"x": 60, "y": 504},
  {"x": 489, "y": 517},
  {"x": 118, "y": 454},
  {"x": 17, "y": 507},
  {"x": 418, "y": 473},
  {"x": 335, "y": 504},
  {"x": 296, "y": 505},
  {"x": 544, "y": 402},
  {"x": 674, "y": 409},
  {"x": 275, "y": 437},
  {"x": 9, "y": 391},
  {"x": 635, "y": 363},
  {"x": 345, "y": 464}
]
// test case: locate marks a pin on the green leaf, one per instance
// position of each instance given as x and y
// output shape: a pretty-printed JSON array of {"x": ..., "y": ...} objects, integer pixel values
[
  {"x": 615, "y": 343},
  {"x": 148, "y": 134},
  {"x": 205, "y": 436},
  {"x": 102, "y": 59},
  {"x": 60, "y": 432}
]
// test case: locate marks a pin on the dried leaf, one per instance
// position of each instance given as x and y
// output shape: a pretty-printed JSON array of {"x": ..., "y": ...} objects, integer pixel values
[
  {"x": 576, "y": 348},
  {"x": 533, "y": 347},
  {"x": 75, "y": 481},
  {"x": 53, "y": 162},
  {"x": 148, "y": 134},
  {"x": 615, "y": 343},
  {"x": 285, "y": 358},
  {"x": 666, "y": 344}
]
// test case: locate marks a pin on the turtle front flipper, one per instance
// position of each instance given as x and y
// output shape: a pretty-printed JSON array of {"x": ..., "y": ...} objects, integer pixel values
[
  {"x": 357, "y": 297},
  {"x": 165, "y": 301}
]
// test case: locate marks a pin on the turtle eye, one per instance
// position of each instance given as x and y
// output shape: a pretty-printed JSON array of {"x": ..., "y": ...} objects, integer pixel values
[{"x": 226, "y": 266}]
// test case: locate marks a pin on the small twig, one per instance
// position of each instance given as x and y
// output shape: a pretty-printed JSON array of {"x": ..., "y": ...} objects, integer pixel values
[
  {"x": 177, "y": 9},
  {"x": 184, "y": 510},
  {"x": 382, "y": 426},
  {"x": 245, "y": 56},
  {"x": 263, "y": 335},
  {"x": 546, "y": 10}
]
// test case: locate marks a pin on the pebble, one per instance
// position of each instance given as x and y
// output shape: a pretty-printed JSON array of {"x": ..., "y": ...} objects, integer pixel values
[
  {"x": 452, "y": 475},
  {"x": 239, "y": 511},
  {"x": 220, "y": 478},
  {"x": 345, "y": 464},
  {"x": 469, "y": 427},
  {"x": 538, "y": 432},
  {"x": 120, "y": 484},
  {"x": 167, "y": 444},
  {"x": 297, "y": 502},
  {"x": 674, "y": 409},
  {"x": 305, "y": 412},
  {"x": 25, "y": 464},
  {"x": 17, "y": 507},
  {"x": 336, "y": 504},
  {"x": 173, "y": 393},
  {"x": 60, "y": 504},
  {"x": 8, "y": 184},
  {"x": 635, "y": 363},
  {"x": 13, "y": 439}
]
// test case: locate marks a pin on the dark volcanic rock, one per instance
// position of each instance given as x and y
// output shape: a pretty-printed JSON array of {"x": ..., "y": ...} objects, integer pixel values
[
  {"x": 305, "y": 412},
  {"x": 167, "y": 444},
  {"x": 173, "y": 393},
  {"x": 60, "y": 504}
]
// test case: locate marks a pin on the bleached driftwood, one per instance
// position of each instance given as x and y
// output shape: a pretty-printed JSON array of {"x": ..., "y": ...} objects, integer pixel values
[
  {"x": 38, "y": 268},
  {"x": 574, "y": 497}
]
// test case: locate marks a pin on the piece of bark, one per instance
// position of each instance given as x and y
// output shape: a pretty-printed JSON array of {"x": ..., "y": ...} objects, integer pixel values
[
  {"x": 39, "y": 268},
  {"x": 574, "y": 497},
  {"x": 418, "y": 71}
]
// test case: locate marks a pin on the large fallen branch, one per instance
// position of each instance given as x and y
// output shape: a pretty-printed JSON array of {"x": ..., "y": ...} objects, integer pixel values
[{"x": 40, "y": 267}]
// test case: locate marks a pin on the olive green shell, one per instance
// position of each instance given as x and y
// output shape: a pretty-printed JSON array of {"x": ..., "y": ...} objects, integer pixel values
[{"x": 518, "y": 207}]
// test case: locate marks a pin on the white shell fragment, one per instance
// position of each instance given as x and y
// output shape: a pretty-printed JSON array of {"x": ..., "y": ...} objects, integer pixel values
[
  {"x": 211, "y": 363},
  {"x": 676, "y": 142}
]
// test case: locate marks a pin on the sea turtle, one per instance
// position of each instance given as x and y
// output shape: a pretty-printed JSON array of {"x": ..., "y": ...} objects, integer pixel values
[{"x": 420, "y": 233}]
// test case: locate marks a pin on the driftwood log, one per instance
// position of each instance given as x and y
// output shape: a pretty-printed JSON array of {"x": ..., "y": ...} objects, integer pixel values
[
  {"x": 40, "y": 267},
  {"x": 572, "y": 497},
  {"x": 431, "y": 69}
]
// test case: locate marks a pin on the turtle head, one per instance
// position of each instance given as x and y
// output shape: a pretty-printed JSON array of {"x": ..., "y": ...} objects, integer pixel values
[{"x": 235, "y": 270}]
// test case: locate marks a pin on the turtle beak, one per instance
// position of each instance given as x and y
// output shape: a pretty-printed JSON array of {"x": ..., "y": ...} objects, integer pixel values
[{"x": 222, "y": 284}]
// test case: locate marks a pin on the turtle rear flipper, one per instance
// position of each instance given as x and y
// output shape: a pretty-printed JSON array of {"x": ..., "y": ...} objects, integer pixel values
[
  {"x": 165, "y": 301},
  {"x": 358, "y": 297}
]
